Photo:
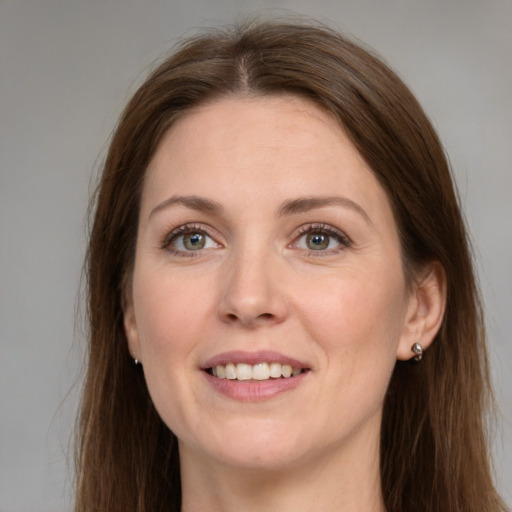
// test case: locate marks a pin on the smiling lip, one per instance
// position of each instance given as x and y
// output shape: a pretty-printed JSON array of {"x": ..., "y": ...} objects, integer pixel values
[{"x": 252, "y": 390}]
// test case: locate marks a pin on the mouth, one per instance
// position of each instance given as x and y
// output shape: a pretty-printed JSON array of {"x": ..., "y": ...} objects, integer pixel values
[
  {"x": 262, "y": 371},
  {"x": 254, "y": 376}
]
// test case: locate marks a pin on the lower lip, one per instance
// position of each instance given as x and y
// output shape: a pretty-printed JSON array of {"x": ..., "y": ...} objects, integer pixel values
[{"x": 254, "y": 391}]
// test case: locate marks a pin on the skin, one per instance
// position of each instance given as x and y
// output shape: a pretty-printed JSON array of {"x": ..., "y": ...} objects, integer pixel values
[{"x": 344, "y": 311}]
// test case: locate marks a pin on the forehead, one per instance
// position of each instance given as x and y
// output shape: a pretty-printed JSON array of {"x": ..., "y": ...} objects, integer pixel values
[
  {"x": 266, "y": 148},
  {"x": 243, "y": 123}
]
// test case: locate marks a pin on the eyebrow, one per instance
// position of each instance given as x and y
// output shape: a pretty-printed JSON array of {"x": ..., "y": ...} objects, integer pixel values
[
  {"x": 198, "y": 203},
  {"x": 291, "y": 207},
  {"x": 305, "y": 204}
]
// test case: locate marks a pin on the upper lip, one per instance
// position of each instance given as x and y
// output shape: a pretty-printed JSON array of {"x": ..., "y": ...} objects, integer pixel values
[{"x": 261, "y": 356}]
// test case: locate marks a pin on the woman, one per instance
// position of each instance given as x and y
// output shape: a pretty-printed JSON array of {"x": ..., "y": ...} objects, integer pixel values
[{"x": 282, "y": 303}]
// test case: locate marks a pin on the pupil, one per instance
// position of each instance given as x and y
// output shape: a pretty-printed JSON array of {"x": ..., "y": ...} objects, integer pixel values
[
  {"x": 317, "y": 241},
  {"x": 194, "y": 241}
]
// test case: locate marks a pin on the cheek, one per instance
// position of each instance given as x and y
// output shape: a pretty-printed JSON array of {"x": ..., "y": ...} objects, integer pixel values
[
  {"x": 355, "y": 313},
  {"x": 358, "y": 328},
  {"x": 168, "y": 318},
  {"x": 358, "y": 323},
  {"x": 167, "y": 313}
]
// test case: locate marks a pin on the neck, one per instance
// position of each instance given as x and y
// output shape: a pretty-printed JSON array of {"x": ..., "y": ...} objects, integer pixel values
[{"x": 344, "y": 479}]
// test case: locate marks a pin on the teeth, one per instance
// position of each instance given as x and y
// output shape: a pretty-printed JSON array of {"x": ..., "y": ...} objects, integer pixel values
[
  {"x": 286, "y": 371},
  {"x": 260, "y": 371},
  {"x": 243, "y": 371},
  {"x": 275, "y": 370},
  {"x": 220, "y": 371},
  {"x": 230, "y": 371}
]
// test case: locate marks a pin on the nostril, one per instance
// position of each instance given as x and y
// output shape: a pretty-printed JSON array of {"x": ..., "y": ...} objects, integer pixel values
[{"x": 263, "y": 316}]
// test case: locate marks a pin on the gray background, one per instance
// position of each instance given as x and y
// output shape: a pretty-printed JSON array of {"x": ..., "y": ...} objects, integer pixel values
[{"x": 67, "y": 68}]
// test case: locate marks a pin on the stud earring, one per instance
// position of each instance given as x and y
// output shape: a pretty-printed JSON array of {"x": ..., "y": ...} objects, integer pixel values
[
  {"x": 136, "y": 361},
  {"x": 417, "y": 349}
]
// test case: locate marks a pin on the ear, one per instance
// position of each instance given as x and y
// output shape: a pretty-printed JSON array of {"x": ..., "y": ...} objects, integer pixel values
[
  {"x": 130, "y": 327},
  {"x": 425, "y": 312}
]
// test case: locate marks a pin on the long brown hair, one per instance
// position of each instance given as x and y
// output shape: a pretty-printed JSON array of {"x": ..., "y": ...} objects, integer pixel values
[{"x": 434, "y": 453}]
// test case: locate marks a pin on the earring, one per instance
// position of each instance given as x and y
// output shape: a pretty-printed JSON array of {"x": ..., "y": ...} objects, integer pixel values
[
  {"x": 136, "y": 361},
  {"x": 418, "y": 350}
]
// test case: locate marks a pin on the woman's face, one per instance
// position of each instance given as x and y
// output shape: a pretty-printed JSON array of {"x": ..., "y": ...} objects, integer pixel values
[{"x": 266, "y": 246}]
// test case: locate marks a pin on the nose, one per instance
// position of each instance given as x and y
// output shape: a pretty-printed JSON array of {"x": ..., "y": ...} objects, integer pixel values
[{"x": 252, "y": 294}]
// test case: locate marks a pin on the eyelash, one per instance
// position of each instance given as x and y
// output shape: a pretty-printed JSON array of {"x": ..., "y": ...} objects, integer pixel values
[
  {"x": 324, "y": 229},
  {"x": 317, "y": 228},
  {"x": 180, "y": 231}
]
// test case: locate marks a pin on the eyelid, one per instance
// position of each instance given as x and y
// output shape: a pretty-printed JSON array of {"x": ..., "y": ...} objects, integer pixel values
[
  {"x": 344, "y": 240},
  {"x": 327, "y": 229},
  {"x": 183, "y": 229}
]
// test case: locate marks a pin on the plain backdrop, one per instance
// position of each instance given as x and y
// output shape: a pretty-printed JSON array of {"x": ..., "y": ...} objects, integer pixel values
[{"x": 66, "y": 70}]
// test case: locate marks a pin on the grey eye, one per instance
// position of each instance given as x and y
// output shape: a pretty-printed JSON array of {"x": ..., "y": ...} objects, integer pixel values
[
  {"x": 317, "y": 241},
  {"x": 194, "y": 241}
]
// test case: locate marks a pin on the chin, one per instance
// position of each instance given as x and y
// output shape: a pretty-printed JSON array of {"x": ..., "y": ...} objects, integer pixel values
[
  {"x": 260, "y": 448},
  {"x": 270, "y": 460}
]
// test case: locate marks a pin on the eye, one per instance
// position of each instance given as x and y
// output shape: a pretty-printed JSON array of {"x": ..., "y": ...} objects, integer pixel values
[
  {"x": 318, "y": 241},
  {"x": 188, "y": 239},
  {"x": 321, "y": 238}
]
